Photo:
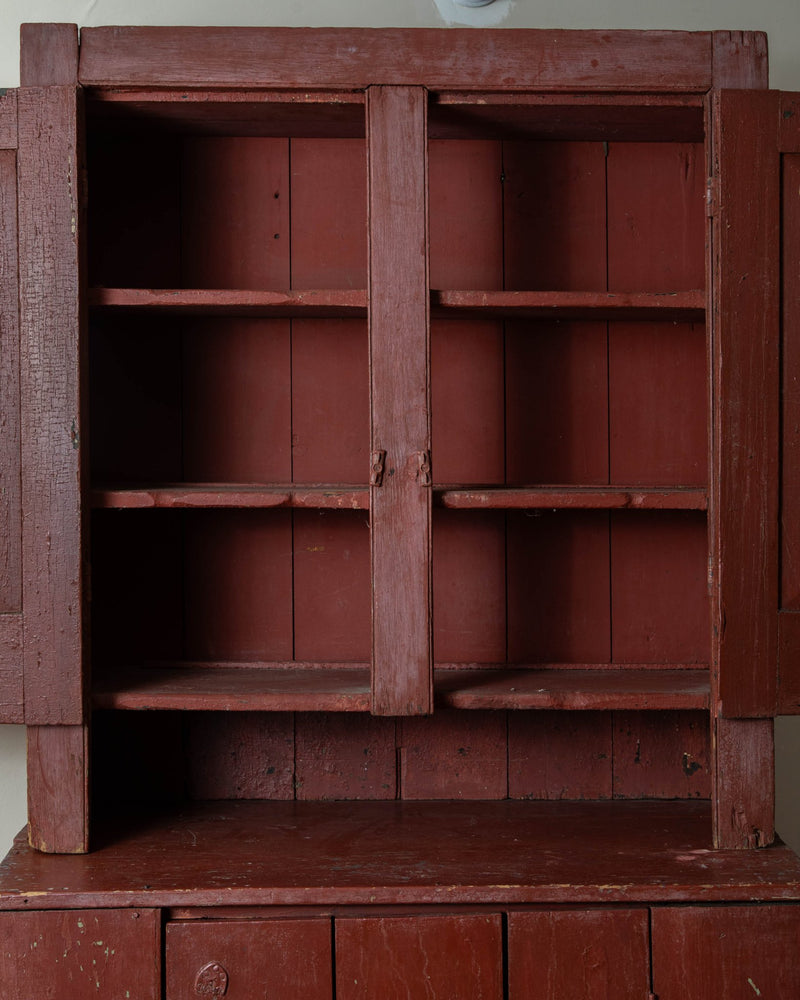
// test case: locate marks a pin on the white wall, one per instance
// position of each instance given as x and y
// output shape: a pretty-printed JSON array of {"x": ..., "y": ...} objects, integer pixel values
[{"x": 780, "y": 18}]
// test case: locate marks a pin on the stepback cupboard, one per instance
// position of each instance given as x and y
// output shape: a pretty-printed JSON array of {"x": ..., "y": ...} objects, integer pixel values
[{"x": 401, "y": 498}]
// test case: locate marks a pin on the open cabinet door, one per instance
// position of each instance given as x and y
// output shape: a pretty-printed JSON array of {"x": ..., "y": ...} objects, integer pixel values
[
  {"x": 11, "y": 708},
  {"x": 789, "y": 618}
]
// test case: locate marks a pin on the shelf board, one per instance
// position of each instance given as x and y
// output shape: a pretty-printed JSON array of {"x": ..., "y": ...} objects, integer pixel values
[
  {"x": 314, "y": 302},
  {"x": 452, "y": 853},
  {"x": 230, "y": 495},
  {"x": 572, "y": 498},
  {"x": 338, "y": 687},
  {"x": 688, "y": 306}
]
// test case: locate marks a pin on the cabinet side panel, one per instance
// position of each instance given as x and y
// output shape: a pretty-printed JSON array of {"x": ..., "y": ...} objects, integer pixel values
[
  {"x": 48, "y": 55},
  {"x": 49, "y": 214},
  {"x": 737, "y": 952},
  {"x": 739, "y": 59},
  {"x": 745, "y": 324},
  {"x": 602, "y": 954},
  {"x": 81, "y": 954},
  {"x": 400, "y": 366}
]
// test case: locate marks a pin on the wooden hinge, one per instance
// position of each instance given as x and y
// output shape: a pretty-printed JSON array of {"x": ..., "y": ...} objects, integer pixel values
[
  {"x": 424, "y": 460},
  {"x": 378, "y": 462}
]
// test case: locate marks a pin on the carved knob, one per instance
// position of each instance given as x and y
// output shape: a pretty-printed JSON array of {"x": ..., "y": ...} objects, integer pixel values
[{"x": 211, "y": 981}]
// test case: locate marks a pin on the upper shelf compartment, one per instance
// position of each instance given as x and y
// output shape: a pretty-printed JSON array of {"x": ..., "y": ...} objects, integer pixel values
[
  {"x": 234, "y": 191},
  {"x": 556, "y": 195}
]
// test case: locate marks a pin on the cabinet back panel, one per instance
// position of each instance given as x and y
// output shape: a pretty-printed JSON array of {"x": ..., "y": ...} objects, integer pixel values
[{"x": 171, "y": 756}]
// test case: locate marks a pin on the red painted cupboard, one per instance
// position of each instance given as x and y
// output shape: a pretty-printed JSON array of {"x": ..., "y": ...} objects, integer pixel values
[{"x": 401, "y": 496}]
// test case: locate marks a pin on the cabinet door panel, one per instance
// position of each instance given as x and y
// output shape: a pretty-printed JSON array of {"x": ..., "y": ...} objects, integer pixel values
[
  {"x": 249, "y": 959},
  {"x": 80, "y": 955},
  {"x": 560, "y": 955},
  {"x": 419, "y": 958},
  {"x": 737, "y": 952}
]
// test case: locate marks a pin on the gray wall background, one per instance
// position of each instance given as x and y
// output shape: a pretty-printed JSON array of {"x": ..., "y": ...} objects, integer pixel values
[{"x": 779, "y": 18}]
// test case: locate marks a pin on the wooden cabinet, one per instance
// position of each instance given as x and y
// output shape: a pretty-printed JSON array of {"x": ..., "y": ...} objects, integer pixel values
[{"x": 396, "y": 480}]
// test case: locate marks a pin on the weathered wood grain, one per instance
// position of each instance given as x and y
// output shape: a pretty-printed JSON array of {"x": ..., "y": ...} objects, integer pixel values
[
  {"x": 58, "y": 789},
  {"x": 52, "y": 373},
  {"x": 81, "y": 954},
  {"x": 652, "y": 61},
  {"x": 432, "y": 955},
  {"x": 662, "y": 755},
  {"x": 12, "y": 708},
  {"x": 579, "y": 953},
  {"x": 743, "y": 783},
  {"x": 290, "y": 958},
  {"x": 789, "y": 663},
  {"x": 400, "y": 400},
  {"x": 8, "y": 119},
  {"x": 48, "y": 55},
  {"x": 790, "y": 390},
  {"x": 340, "y": 756},
  {"x": 739, "y": 60},
  {"x": 745, "y": 325}
]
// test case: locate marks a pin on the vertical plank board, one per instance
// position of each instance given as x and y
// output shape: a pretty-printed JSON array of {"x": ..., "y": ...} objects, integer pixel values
[
  {"x": 81, "y": 954},
  {"x": 449, "y": 957},
  {"x": 8, "y": 120},
  {"x": 48, "y": 55},
  {"x": 237, "y": 401},
  {"x": 290, "y": 959},
  {"x": 658, "y": 404},
  {"x": 235, "y": 212},
  {"x": 656, "y": 242},
  {"x": 790, "y": 347},
  {"x": 467, "y": 400},
  {"x": 51, "y": 389},
  {"x": 558, "y": 587},
  {"x": 240, "y": 755},
  {"x": 328, "y": 213},
  {"x": 743, "y": 783},
  {"x": 789, "y": 663},
  {"x": 238, "y": 585},
  {"x": 739, "y": 60},
  {"x": 12, "y": 709},
  {"x": 331, "y": 585},
  {"x": 344, "y": 756},
  {"x": 400, "y": 375},
  {"x": 745, "y": 331},
  {"x": 659, "y": 587},
  {"x": 454, "y": 755},
  {"x": 565, "y": 954},
  {"x": 554, "y": 211},
  {"x": 135, "y": 241},
  {"x": 58, "y": 801},
  {"x": 10, "y": 513},
  {"x": 736, "y": 952},
  {"x": 662, "y": 755},
  {"x": 330, "y": 401},
  {"x": 466, "y": 214},
  {"x": 469, "y": 586},
  {"x": 556, "y": 403},
  {"x": 560, "y": 755}
]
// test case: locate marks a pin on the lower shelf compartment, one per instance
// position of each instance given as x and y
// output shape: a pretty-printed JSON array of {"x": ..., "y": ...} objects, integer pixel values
[
  {"x": 343, "y": 688},
  {"x": 394, "y": 853}
]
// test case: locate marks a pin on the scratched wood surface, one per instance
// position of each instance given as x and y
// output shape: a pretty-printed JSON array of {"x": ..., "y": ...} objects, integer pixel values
[
  {"x": 571, "y": 953},
  {"x": 738, "y": 952},
  {"x": 391, "y": 853},
  {"x": 285, "y": 958},
  {"x": 58, "y": 788},
  {"x": 743, "y": 782},
  {"x": 443, "y": 956},
  {"x": 81, "y": 954},
  {"x": 400, "y": 400}
]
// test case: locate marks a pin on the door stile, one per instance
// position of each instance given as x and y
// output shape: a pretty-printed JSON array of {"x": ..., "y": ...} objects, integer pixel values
[{"x": 399, "y": 334}]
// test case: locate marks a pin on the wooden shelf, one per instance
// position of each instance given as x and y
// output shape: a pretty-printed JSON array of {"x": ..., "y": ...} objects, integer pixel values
[
  {"x": 340, "y": 687},
  {"x": 230, "y": 495},
  {"x": 452, "y": 853},
  {"x": 573, "y": 498},
  {"x": 232, "y": 302},
  {"x": 686, "y": 306}
]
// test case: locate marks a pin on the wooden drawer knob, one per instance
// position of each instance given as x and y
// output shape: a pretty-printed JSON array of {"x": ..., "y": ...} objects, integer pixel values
[{"x": 211, "y": 981}]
